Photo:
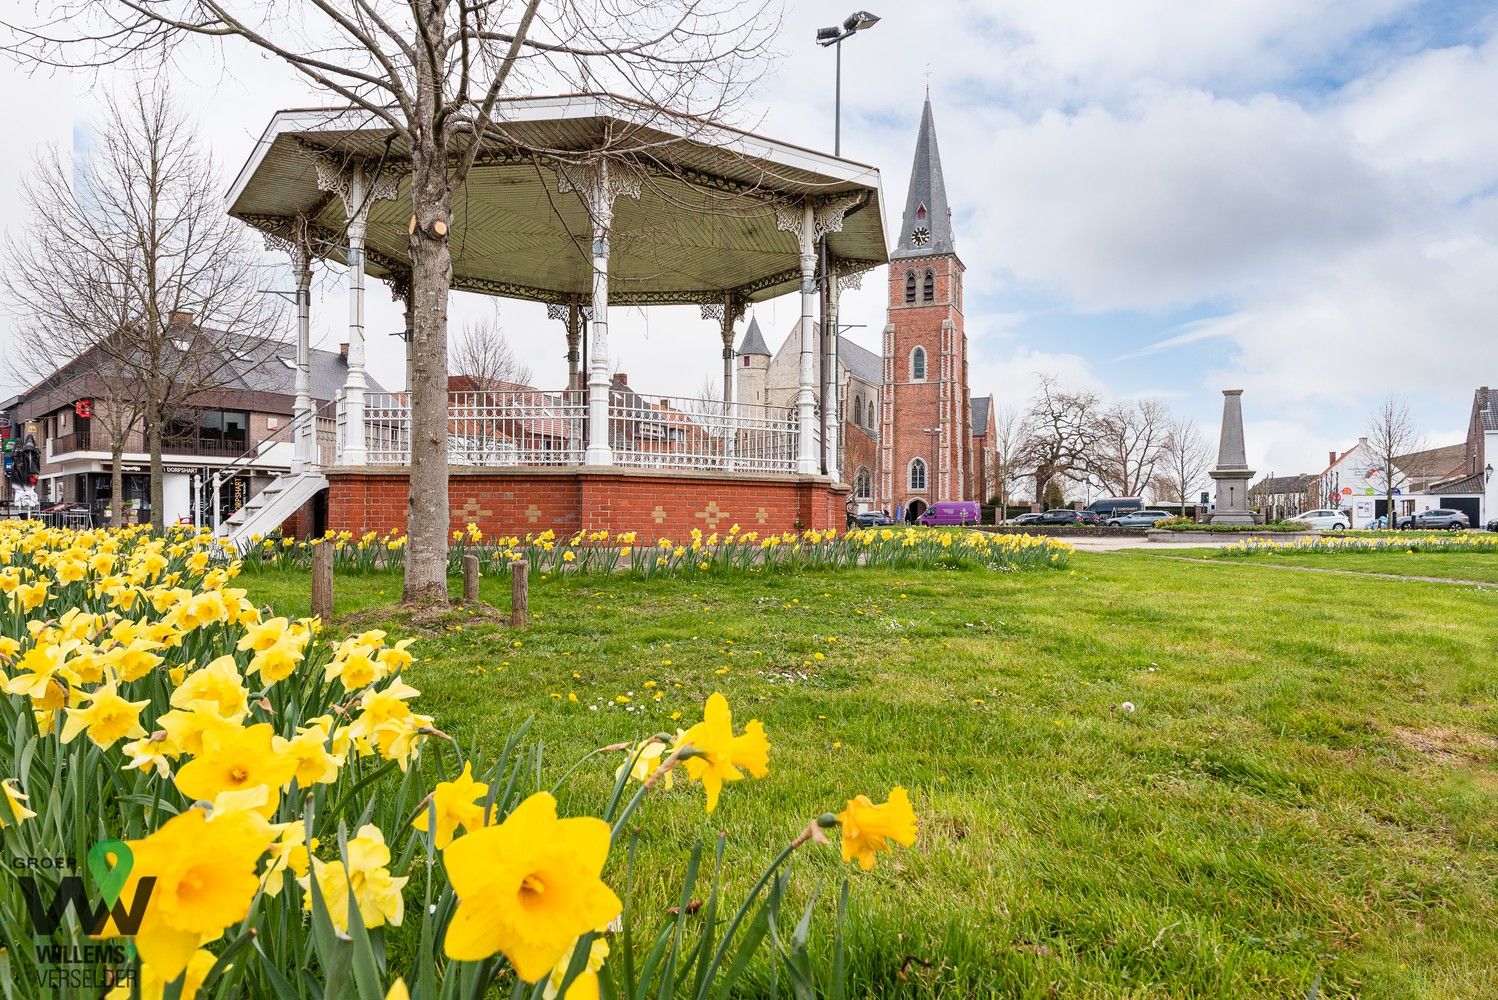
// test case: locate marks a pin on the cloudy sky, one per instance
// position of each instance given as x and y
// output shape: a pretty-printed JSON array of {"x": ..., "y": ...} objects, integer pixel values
[{"x": 1152, "y": 197}]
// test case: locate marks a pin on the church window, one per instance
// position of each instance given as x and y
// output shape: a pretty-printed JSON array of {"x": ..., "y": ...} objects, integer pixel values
[
  {"x": 746, "y": 361},
  {"x": 928, "y": 289},
  {"x": 858, "y": 410},
  {"x": 957, "y": 290},
  {"x": 917, "y": 474},
  {"x": 909, "y": 287},
  {"x": 869, "y": 414},
  {"x": 863, "y": 485},
  {"x": 918, "y": 365}
]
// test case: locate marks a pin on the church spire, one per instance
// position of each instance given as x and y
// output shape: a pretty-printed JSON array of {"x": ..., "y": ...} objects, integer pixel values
[{"x": 927, "y": 227}]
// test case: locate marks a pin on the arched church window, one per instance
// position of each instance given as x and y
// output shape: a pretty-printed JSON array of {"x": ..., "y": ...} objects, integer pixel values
[
  {"x": 928, "y": 289},
  {"x": 869, "y": 414},
  {"x": 909, "y": 287},
  {"x": 858, "y": 410},
  {"x": 957, "y": 290},
  {"x": 917, "y": 474},
  {"x": 918, "y": 365},
  {"x": 863, "y": 485}
]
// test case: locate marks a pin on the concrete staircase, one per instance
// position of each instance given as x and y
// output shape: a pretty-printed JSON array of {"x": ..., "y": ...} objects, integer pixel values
[{"x": 267, "y": 509}]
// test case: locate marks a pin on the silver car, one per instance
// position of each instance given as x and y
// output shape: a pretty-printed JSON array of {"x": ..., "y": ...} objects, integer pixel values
[{"x": 1137, "y": 519}]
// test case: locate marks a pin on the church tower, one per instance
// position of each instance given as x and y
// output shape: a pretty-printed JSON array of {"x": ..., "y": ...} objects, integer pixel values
[
  {"x": 925, "y": 438},
  {"x": 753, "y": 366}
]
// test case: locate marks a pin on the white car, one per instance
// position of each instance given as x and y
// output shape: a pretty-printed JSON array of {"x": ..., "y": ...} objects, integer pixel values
[{"x": 1325, "y": 520}]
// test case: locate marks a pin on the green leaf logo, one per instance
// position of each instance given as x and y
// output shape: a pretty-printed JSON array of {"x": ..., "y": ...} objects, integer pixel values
[{"x": 109, "y": 862}]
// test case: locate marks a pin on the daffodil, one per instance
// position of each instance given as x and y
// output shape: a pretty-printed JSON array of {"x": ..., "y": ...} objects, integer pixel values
[
  {"x": 455, "y": 803},
  {"x": 366, "y": 876},
  {"x": 107, "y": 719},
  {"x": 529, "y": 887},
  {"x": 16, "y": 812},
  {"x": 717, "y": 754},
  {"x": 315, "y": 765},
  {"x": 585, "y": 985},
  {"x": 153, "y": 984},
  {"x": 236, "y": 761},
  {"x": 219, "y": 684},
  {"x": 868, "y": 828},
  {"x": 205, "y": 879},
  {"x": 644, "y": 758}
]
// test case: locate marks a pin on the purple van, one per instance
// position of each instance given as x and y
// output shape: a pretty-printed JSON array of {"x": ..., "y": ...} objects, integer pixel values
[{"x": 951, "y": 512}]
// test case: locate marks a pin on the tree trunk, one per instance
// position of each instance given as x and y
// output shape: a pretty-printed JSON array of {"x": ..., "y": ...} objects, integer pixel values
[
  {"x": 117, "y": 482},
  {"x": 153, "y": 444},
  {"x": 431, "y": 277}
]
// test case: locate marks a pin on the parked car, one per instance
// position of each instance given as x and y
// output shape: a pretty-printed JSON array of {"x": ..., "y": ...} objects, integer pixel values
[
  {"x": 951, "y": 512},
  {"x": 1137, "y": 519},
  {"x": 870, "y": 519},
  {"x": 1107, "y": 507},
  {"x": 1493, "y": 524},
  {"x": 1026, "y": 519},
  {"x": 1438, "y": 518},
  {"x": 1091, "y": 517},
  {"x": 1062, "y": 515},
  {"x": 1325, "y": 520}
]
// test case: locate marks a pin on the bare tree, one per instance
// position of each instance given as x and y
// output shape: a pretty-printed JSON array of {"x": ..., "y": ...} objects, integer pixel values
[
  {"x": 1184, "y": 461},
  {"x": 481, "y": 352},
  {"x": 1006, "y": 469},
  {"x": 1127, "y": 446},
  {"x": 1392, "y": 433},
  {"x": 434, "y": 73},
  {"x": 1057, "y": 433},
  {"x": 131, "y": 279}
]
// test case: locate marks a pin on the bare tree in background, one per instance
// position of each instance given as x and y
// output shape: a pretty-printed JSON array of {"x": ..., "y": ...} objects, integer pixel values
[
  {"x": 1057, "y": 433},
  {"x": 434, "y": 72},
  {"x": 1006, "y": 471},
  {"x": 481, "y": 352},
  {"x": 1185, "y": 460},
  {"x": 130, "y": 265},
  {"x": 1127, "y": 446},
  {"x": 1392, "y": 432}
]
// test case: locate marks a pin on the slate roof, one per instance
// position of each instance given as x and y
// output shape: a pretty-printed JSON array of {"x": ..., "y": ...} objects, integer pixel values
[
  {"x": 926, "y": 203},
  {"x": 1276, "y": 485},
  {"x": 1434, "y": 463},
  {"x": 754, "y": 341},
  {"x": 862, "y": 363},
  {"x": 1473, "y": 483},
  {"x": 1487, "y": 405},
  {"x": 269, "y": 367},
  {"x": 979, "y": 414}
]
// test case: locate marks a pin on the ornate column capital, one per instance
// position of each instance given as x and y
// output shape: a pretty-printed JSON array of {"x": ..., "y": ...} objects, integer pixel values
[{"x": 335, "y": 176}]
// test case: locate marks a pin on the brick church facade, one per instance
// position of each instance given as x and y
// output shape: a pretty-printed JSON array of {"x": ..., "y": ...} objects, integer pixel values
[{"x": 926, "y": 440}]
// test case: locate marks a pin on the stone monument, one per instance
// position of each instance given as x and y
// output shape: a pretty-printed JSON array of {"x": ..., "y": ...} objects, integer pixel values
[{"x": 1232, "y": 473}]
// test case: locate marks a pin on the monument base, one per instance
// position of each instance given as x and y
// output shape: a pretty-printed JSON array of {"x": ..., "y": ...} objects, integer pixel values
[{"x": 1232, "y": 496}]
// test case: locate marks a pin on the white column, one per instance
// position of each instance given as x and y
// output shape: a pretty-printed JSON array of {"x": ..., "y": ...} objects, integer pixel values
[
  {"x": 601, "y": 210},
  {"x": 806, "y": 445},
  {"x": 730, "y": 410},
  {"x": 833, "y": 423},
  {"x": 356, "y": 201},
  {"x": 304, "y": 440}
]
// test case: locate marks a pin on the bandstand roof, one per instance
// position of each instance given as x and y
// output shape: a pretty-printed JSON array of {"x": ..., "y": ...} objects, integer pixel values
[{"x": 703, "y": 225}]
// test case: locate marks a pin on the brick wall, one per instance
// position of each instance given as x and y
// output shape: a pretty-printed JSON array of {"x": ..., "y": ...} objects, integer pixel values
[{"x": 518, "y": 501}]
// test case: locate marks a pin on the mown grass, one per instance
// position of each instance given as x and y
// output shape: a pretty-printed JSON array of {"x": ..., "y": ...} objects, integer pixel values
[
  {"x": 1451, "y": 564},
  {"x": 1303, "y": 797}
]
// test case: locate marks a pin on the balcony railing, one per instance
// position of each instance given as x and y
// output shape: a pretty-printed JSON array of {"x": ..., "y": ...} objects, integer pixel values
[
  {"x": 135, "y": 443},
  {"x": 498, "y": 429}
]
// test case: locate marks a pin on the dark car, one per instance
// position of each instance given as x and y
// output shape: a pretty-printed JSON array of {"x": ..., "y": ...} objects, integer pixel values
[
  {"x": 1493, "y": 524},
  {"x": 1114, "y": 506},
  {"x": 1063, "y": 515},
  {"x": 1027, "y": 519},
  {"x": 1439, "y": 519},
  {"x": 1090, "y": 517},
  {"x": 870, "y": 519}
]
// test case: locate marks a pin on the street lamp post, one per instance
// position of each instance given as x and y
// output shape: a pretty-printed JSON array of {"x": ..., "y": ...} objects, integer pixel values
[{"x": 859, "y": 20}]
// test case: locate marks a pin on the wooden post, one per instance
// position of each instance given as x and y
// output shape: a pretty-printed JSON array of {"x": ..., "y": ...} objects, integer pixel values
[
  {"x": 520, "y": 599},
  {"x": 470, "y": 577},
  {"x": 322, "y": 581}
]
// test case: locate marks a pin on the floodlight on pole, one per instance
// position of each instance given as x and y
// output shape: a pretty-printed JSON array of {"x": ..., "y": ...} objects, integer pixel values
[{"x": 859, "y": 20}]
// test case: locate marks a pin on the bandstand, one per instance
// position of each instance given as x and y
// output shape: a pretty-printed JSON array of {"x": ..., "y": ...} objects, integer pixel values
[{"x": 586, "y": 201}]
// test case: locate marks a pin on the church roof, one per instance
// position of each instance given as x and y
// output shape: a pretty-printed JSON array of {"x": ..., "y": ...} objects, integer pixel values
[
  {"x": 926, "y": 203},
  {"x": 862, "y": 363},
  {"x": 754, "y": 341}
]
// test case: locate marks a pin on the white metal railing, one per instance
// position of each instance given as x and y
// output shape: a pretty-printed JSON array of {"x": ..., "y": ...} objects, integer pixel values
[{"x": 530, "y": 427}]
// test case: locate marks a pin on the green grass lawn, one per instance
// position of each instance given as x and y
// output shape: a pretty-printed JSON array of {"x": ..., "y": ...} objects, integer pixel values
[
  {"x": 1306, "y": 792},
  {"x": 1455, "y": 565}
]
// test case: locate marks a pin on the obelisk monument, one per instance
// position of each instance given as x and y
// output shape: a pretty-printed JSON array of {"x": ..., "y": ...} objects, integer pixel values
[{"x": 1232, "y": 473}]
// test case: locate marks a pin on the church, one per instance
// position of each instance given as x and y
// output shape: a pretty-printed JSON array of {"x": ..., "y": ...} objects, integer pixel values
[{"x": 912, "y": 433}]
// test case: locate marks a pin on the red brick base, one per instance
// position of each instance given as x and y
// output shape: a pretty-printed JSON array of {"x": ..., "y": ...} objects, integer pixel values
[{"x": 654, "y": 503}]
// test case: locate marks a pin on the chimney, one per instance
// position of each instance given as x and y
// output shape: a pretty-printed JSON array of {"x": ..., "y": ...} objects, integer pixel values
[
  {"x": 343, "y": 350},
  {"x": 1331, "y": 458},
  {"x": 180, "y": 317},
  {"x": 620, "y": 378},
  {"x": 1362, "y": 440}
]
